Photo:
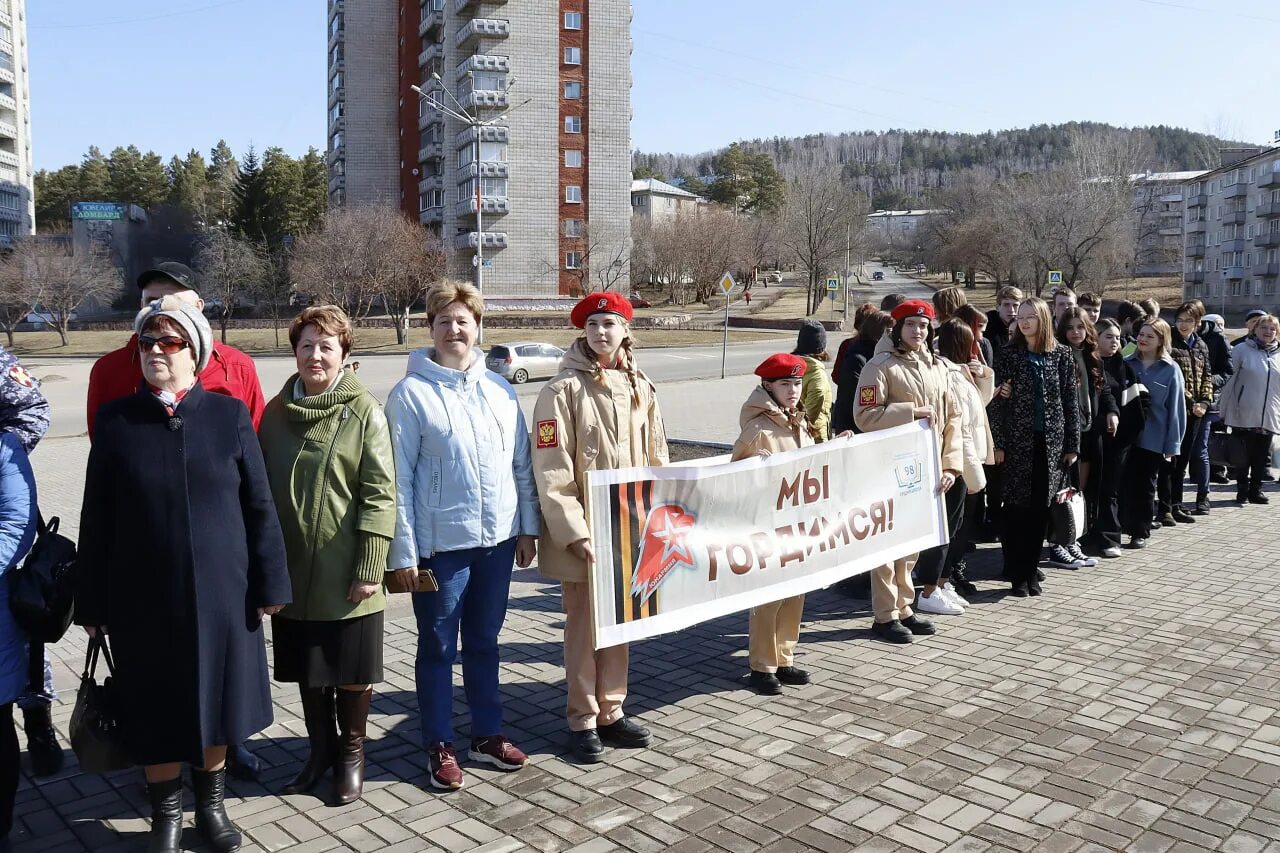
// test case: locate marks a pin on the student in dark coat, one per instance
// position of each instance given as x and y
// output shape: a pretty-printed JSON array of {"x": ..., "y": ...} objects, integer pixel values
[
  {"x": 180, "y": 557},
  {"x": 859, "y": 352}
]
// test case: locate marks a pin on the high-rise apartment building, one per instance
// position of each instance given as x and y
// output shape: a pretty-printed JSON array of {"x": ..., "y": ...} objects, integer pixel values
[
  {"x": 551, "y": 186},
  {"x": 1232, "y": 245},
  {"x": 17, "y": 191}
]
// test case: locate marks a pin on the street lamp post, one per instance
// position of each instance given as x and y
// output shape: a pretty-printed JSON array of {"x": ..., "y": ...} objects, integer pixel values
[{"x": 460, "y": 114}]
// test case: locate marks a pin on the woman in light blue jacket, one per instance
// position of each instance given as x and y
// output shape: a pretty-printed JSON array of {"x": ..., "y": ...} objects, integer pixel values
[
  {"x": 17, "y": 532},
  {"x": 1161, "y": 437},
  {"x": 1251, "y": 404},
  {"x": 467, "y": 508}
]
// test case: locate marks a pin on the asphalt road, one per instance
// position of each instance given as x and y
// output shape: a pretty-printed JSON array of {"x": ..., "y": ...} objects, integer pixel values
[{"x": 65, "y": 381}]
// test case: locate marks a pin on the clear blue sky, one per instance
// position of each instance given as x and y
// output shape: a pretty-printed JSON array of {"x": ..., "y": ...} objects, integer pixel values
[{"x": 170, "y": 75}]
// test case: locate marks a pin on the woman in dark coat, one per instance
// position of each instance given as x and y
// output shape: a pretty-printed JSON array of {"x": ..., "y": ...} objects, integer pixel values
[
  {"x": 861, "y": 347},
  {"x": 1035, "y": 422},
  {"x": 181, "y": 555}
]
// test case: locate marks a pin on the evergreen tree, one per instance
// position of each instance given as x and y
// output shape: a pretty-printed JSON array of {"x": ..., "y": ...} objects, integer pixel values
[
  {"x": 55, "y": 191},
  {"x": 221, "y": 182},
  {"x": 249, "y": 212},
  {"x": 95, "y": 178},
  {"x": 189, "y": 190},
  {"x": 137, "y": 178},
  {"x": 315, "y": 191},
  {"x": 282, "y": 196}
]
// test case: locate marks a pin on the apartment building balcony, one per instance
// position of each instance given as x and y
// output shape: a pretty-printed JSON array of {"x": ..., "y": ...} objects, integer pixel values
[
  {"x": 429, "y": 118},
  {"x": 483, "y": 62},
  {"x": 1270, "y": 238},
  {"x": 1233, "y": 245},
  {"x": 6, "y": 19},
  {"x": 1233, "y": 217},
  {"x": 1238, "y": 190},
  {"x": 1266, "y": 211},
  {"x": 336, "y": 124},
  {"x": 335, "y": 95},
  {"x": 337, "y": 182},
  {"x": 1269, "y": 180},
  {"x": 8, "y": 131},
  {"x": 336, "y": 36},
  {"x": 336, "y": 154},
  {"x": 433, "y": 51},
  {"x": 7, "y": 102},
  {"x": 9, "y": 214},
  {"x": 432, "y": 18},
  {"x": 481, "y": 99},
  {"x": 1195, "y": 251},
  {"x": 431, "y": 216},
  {"x": 490, "y": 205},
  {"x": 429, "y": 183},
  {"x": 430, "y": 151},
  {"x": 1196, "y": 226},
  {"x": 8, "y": 159},
  {"x": 459, "y": 5},
  {"x": 1196, "y": 277},
  {"x": 1230, "y": 273},
  {"x": 488, "y": 133},
  {"x": 481, "y": 28},
  {"x": 492, "y": 240},
  {"x": 1171, "y": 231},
  {"x": 1266, "y": 270},
  {"x": 1199, "y": 200},
  {"x": 488, "y": 169}
]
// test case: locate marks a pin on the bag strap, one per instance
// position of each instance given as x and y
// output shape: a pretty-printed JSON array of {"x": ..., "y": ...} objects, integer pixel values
[
  {"x": 90, "y": 658},
  {"x": 98, "y": 645}
]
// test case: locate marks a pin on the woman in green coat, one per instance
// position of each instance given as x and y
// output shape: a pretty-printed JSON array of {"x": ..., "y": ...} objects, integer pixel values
[{"x": 328, "y": 455}]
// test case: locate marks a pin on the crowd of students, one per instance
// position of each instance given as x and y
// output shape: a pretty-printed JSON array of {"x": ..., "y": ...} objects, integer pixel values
[{"x": 208, "y": 509}]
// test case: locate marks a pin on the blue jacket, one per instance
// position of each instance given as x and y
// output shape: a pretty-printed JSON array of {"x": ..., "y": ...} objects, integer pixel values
[
  {"x": 1167, "y": 417},
  {"x": 17, "y": 532},
  {"x": 464, "y": 474}
]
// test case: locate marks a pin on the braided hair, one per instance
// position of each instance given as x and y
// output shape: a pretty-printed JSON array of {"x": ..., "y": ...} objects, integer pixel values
[
  {"x": 796, "y": 417},
  {"x": 626, "y": 363}
]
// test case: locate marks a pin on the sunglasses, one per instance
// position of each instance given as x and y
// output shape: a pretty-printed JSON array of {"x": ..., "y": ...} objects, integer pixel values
[{"x": 169, "y": 344}]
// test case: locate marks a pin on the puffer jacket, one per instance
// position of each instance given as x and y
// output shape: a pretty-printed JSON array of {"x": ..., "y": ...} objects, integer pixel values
[
  {"x": 464, "y": 477},
  {"x": 973, "y": 395},
  {"x": 1251, "y": 397},
  {"x": 328, "y": 460},
  {"x": 894, "y": 382},
  {"x": 17, "y": 532},
  {"x": 766, "y": 427},
  {"x": 816, "y": 396},
  {"x": 586, "y": 420},
  {"x": 1197, "y": 376}
]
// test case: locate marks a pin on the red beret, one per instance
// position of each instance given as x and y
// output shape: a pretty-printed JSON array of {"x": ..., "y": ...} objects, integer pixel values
[
  {"x": 610, "y": 302},
  {"x": 782, "y": 365},
  {"x": 913, "y": 308}
]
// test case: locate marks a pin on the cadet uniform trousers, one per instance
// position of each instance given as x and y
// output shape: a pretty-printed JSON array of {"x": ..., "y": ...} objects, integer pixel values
[
  {"x": 596, "y": 679},
  {"x": 774, "y": 632}
]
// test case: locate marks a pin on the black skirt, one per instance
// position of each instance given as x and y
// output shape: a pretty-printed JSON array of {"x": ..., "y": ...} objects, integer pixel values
[{"x": 328, "y": 654}]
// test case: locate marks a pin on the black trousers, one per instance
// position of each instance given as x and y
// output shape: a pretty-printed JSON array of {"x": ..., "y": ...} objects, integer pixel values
[
  {"x": 1023, "y": 525},
  {"x": 1173, "y": 473},
  {"x": 932, "y": 561},
  {"x": 1106, "y": 481},
  {"x": 8, "y": 767},
  {"x": 968, "y": 532},
  {"x": 994, "y": 494},
  {"x": 1257, "y": 448},
  {"x": 1138, "y": 498}
]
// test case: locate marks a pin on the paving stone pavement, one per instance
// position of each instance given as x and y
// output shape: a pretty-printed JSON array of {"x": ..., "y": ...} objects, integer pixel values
[{"x": 1134, "y": 706}]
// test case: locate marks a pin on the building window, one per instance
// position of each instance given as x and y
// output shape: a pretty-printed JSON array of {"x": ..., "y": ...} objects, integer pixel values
[
  {"x": 572, "y": 261},
  {"x": 573, "y": 56},
  {"x": 573, "y": 194},
  {"x": 490, "y": 152},
  {"x": 573, "y": 124},
  {"x": 572, "y": 90},
  {"x": 573, "y": 159},
  {"x": 637, "y": 201},
  {"x": 573, "y": 228},
  {"x": 573, "y": 20},
  {"x": 335, "y": 141},
  {"x": 489, "y": 188}
]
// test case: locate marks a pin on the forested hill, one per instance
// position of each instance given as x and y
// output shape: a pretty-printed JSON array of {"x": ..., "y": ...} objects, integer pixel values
[{"x": 912, "y": 162}]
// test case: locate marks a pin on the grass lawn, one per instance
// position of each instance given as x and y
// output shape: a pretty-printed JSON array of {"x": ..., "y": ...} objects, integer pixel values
[
  {"x": 1166, "y": 291},
  {"x": 368, "y": 341}
]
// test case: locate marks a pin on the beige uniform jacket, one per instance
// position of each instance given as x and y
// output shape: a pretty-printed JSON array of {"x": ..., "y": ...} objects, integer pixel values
[
  {"x": 973, "y": 396},
  {"x": 582, "y": 424},
  {"x": 765, "y": 427},
  {"x": 894, "y": 382}
]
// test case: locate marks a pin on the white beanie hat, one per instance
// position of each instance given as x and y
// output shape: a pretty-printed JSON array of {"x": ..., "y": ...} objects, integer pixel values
[{"x": 195, "y": 328}]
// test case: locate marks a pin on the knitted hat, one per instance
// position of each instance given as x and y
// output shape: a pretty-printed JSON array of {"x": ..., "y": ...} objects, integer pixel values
[
  {"x": 812, "y": 338},
  {"x": 194, "y": 326},
  {"x": 781, "y": 366}
]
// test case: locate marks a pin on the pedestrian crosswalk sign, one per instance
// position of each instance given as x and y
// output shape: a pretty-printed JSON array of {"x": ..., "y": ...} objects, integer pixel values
[
  {"x": 833, "y": 284},
  {"x": 1055, "y": 277}
]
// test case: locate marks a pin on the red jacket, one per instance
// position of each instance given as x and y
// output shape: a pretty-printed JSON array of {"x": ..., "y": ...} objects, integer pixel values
[{"x": 119, "y": 374}]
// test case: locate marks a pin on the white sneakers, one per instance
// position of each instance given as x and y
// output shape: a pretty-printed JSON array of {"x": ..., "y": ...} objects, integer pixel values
[
  {"x": 950, "y": 590},
  {"x": 940, "y": 603}
]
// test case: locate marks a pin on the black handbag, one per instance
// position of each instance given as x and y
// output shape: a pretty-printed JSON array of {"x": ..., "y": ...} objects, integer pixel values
[
  {"x": 94, "y": 725},
  {"x": 1227, "y": 448},
  {"x": 41, "y": 593},
  {"x": 1066, "y": 514}
]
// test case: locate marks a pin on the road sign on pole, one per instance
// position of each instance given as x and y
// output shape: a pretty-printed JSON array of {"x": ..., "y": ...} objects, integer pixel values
[
  {"x": 727, "y": 284},
  {"x": 1055, "y": 277},
  {"x": 833, "y": 284}
]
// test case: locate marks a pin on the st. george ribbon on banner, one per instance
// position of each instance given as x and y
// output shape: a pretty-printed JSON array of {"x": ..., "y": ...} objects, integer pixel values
[{"x": 679, "y": 545}]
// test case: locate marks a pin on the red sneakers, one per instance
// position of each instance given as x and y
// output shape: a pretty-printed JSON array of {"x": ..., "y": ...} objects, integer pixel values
[
  {"x": 445, "y": 772},
  {"x": 498, "y": 751}
]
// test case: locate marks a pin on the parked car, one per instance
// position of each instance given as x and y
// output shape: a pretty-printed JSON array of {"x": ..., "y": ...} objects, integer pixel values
[
  {"x": 877, "y": 276},
  {"x": 524, "y": 360},
  {"x": 774, "y": 278},
  {"x": 638, "y": 301}
]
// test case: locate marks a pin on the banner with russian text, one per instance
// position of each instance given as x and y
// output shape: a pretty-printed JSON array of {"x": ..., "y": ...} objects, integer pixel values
[{"x": 680, "y": 545}]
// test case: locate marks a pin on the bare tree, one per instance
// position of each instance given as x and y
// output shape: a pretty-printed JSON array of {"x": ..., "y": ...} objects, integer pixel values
[
  {"x": 57, "y": 280},
  {"x": 603, "y": 259},
  {"x": 231, "y": 270},
  {"x": 17, "y": 297},
  {"x": 415, "y": 260},
  {"x": 819, "y": 216}
]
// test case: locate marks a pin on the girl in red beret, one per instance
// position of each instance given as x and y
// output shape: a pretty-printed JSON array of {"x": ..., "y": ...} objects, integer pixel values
[{"x": 599, "y": 413}]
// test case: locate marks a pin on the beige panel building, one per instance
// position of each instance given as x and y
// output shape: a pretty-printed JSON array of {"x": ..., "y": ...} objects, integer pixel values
[{"x": 17, "y": 182}]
